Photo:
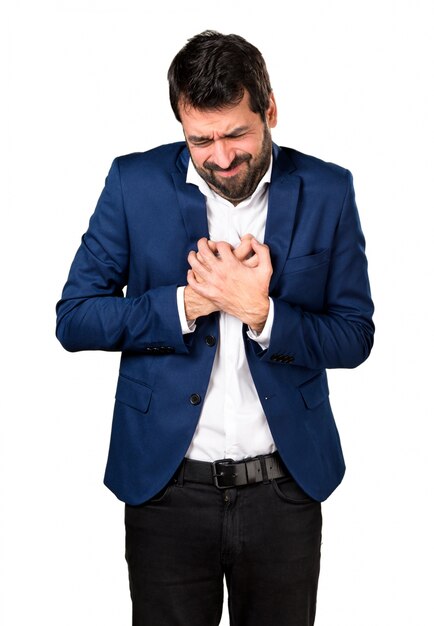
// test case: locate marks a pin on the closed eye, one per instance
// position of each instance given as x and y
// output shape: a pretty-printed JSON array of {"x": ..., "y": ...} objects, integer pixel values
[
  {"x": 233, "y": 136},
  {"x": 201, "y": 142}
]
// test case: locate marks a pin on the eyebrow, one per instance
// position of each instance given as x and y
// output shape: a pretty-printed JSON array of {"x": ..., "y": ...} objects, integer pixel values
[{"x": 239, "y": 130}]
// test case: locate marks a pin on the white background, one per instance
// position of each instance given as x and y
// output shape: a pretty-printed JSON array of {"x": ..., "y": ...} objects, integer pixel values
[{"x": 85, "y": 81}]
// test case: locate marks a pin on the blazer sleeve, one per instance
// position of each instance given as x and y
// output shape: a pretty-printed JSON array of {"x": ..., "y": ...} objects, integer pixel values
[
  {"x": 342, "y": 335},
  {"x": 93, "y": 313}
]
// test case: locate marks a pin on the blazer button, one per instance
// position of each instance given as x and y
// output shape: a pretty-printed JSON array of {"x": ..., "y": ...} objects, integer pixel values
[
  {"x": 210, "y": 340},
  {"x": 195, "y": 399}
]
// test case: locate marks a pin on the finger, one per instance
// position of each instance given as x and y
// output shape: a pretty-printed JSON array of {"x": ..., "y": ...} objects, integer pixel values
[
  {"x": 191, "y": 280},
  {"x": 212, "y": 245},
  {"x": 199, "y": 268},
  {"x": 244, "y": 250},
  {"x": 200, "y": 258},
  {"x": 225, "y": 250},
  {"x": 262, "y": 250},
  {"x": 264, "y": 260},
  {"x": 207, "y": 253},
  {"x": 252, "y": 261},
  {"x": 198, "y": 278}
]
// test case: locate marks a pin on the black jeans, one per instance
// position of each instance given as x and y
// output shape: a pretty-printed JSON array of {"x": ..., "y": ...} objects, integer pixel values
[{"x": 264, "y": 538}]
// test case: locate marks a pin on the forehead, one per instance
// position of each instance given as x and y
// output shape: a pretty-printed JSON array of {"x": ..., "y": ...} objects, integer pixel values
[{"x": 199, "y": 122}]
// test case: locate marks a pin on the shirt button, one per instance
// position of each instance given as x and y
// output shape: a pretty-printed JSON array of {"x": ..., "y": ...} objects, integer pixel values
[
  {"x": 195, "y": 399},
  {"x": 210, "y": 340}
]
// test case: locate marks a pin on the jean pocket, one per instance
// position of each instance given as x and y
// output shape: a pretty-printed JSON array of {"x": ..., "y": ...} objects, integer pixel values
[
  {"x": 133, "y": 510},
  {"x": 161, "y": 495},
  {"x": 288, "y": 490}
]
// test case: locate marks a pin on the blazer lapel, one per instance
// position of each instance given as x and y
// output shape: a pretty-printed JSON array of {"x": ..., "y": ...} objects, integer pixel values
[
  {"x": 192, "y": 202},
  {"x": 282, "y": 207}
]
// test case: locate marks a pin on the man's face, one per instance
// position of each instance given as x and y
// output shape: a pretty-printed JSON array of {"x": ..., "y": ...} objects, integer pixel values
[{"x": 231, "y": 147}]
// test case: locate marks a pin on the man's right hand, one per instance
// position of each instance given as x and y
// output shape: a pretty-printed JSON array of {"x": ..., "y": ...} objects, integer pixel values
[{"x": 198, "y": 306}]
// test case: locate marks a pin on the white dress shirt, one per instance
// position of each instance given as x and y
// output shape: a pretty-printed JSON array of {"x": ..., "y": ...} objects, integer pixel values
[{"x": 232, "y": 423}]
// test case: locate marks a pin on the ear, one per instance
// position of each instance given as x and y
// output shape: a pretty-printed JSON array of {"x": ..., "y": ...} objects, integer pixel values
[{"x": 271, "y": 112}]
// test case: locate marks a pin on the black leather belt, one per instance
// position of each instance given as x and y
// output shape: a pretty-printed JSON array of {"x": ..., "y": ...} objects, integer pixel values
[{"x": 227, "y": 473}]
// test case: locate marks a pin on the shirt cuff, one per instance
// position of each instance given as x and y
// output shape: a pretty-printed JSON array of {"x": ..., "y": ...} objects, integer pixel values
[
  {"x": 186, "y": 325},
  {"x": 263, "y": 338}
]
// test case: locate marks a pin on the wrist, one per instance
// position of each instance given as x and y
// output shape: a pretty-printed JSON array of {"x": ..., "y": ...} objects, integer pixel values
[
  {"x": 258, "y": 320},
  {"x": 195, "y": 305}
]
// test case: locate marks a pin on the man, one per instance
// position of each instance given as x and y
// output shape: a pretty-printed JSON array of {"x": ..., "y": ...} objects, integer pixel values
[{"x": 246, "y": 279}]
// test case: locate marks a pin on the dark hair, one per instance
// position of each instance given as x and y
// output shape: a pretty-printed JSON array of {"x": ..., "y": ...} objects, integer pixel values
[{"x": 212, "y": 71}]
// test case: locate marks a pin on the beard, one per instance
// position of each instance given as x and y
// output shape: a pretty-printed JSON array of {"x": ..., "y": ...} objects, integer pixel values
[{"x": 241, "y": 185}]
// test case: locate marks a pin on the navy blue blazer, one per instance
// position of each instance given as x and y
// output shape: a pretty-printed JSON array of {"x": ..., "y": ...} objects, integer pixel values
[{"x": 145, "y": 223}]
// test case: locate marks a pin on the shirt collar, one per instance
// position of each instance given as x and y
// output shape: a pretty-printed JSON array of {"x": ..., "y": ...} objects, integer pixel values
[{"x": 195, "y": 179}]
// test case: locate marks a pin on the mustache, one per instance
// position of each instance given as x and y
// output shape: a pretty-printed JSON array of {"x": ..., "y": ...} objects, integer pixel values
[{"x": 213, "y": 167}]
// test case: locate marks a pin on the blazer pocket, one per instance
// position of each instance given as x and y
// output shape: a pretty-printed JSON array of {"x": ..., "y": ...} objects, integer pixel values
[
  {"x": 303, "y": 263},
  {"x": 315, "y": 391},
  {"x": 133, "y": 393},
  {"x": 303, "y": 281}
]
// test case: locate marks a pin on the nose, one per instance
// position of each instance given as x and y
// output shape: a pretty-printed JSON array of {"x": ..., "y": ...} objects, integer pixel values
[{"x": 223, "y": 153}]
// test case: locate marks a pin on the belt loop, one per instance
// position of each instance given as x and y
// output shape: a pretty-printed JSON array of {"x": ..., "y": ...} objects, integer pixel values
[
  {"x": 266, "y": 480},
  {"x": 179, "y": 475}
]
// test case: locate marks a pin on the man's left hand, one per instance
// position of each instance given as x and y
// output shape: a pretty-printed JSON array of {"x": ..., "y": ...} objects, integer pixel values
[{"x": 236, "y": 286}]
